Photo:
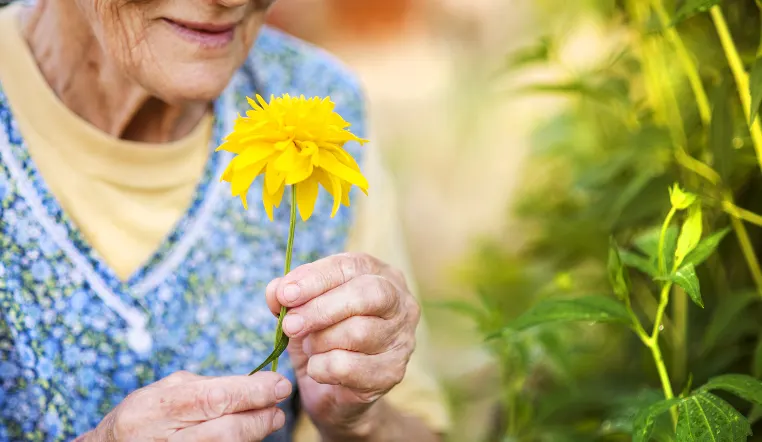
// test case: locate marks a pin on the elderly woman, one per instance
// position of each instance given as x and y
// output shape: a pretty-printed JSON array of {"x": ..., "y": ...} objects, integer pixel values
[{"x": 134, "y": 292}]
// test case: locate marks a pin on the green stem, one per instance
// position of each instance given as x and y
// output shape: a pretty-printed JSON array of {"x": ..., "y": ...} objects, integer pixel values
[
  {"x": 660, "y": 252},
  {"x": 746, "y": 215},
  {"x": 653, "y": 344},
  {"x": 663, "y": 376},
  {"x": 740, "y": 75},
  {"x": 286, "y": 270},
  {"x": 653, "y": 340},
  {"x": 685, "y": 59},
  {"x": 748, "y": 251}
]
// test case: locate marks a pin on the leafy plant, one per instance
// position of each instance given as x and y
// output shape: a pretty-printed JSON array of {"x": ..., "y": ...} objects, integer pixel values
[{"x": 608, "y": 244}]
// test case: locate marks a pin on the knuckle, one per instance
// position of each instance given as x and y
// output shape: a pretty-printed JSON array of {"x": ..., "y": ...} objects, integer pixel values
[
  {"x": 339, "y": 365},
  {"x": 258, "y": 425},
  {"x": 348, "y": 265},
  {"x": 381, "y": 292},
  {"x": 213, "y": 402},
  {"x": 414, "y": 307},
  {"x": 359, "y": 332}
]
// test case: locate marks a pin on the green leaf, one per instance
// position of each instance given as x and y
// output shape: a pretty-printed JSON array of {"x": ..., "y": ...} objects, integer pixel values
[
  {"x": 648, "y": 243},
  {"x": 704, "y": 417},
  {"x": 690, "y": 234},
  {"x": 679, "y": 198},
  {"x": 646, "y": 418},
  {"x": 741, "y": 385},
  {"x": 588, "y": 309},
  {"x": 725, "y": 318},
  {"x": 691, "y": 8},
  {"x": 721, "y": 131},
  {"x": 464, "y": 308},
  {"x": 618, "y": 277},
  {"x": 637, "y": 261},
  {"x": 755, "y": 85},
  {"x": 706, "y": 247},
  {"x": 536, "y": 53},
  {"x": 686, "y": 278}
]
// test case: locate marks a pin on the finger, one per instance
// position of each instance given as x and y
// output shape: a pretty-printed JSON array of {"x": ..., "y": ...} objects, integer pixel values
[
  {"x": 311, "y": 280},
  {"x": 177, "y": 378},
  {"x": 368, "y": 295},
  {"x": 270, "y": 296},
  {"x": 215, "y": 397},
  {"x": 363, "y": 334},
  {"x": 249, "y": 426},
  {"x": 357, "y": 371}
]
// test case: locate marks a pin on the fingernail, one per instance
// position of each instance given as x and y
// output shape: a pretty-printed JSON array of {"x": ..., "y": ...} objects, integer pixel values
[
  {"x": 291, "y": 292},
  {"x": 293, "y": 324},
  {"x": 279, "y": 419},
  {"x": 282, "y": 389}
]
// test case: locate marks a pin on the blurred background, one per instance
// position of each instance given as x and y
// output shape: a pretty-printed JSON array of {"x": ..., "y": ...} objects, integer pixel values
[
  {"x": 522, "y": 134},
  {"x": 454, "y": 139},
  {"x": 454, "y": 145},
  {"x": 454, "y": 149}
]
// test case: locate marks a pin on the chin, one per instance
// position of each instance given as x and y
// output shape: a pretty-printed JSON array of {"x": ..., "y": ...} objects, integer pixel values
[{"x": 190, "y": 83}]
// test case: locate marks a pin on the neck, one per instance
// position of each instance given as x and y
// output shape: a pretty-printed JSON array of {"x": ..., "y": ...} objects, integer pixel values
[{"x": 87, "y": 82}]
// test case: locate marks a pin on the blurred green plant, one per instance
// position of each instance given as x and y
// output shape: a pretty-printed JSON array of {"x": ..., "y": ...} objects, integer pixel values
[{"x": 677, "y": 103}]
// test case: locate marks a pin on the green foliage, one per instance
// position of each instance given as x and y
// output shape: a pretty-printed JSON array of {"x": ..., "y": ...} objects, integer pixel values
[
  {"x": 607, "y": 217},
  {"x": 693, "y": 7},
  {"x": 646, "y": 419},
  {"x": 755, "y": 83},
  {"x": 594, "y": 309},
  {"x": 686, "y": 278},
  {"x": 706, "y": 418}
]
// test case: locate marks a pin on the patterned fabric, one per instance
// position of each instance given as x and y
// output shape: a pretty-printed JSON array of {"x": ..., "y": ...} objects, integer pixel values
[{"x": 75, "y": 340}]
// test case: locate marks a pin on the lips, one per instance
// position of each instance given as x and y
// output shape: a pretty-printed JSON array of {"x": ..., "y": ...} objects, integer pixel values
[
  {"x": 210, "y": 28},
  {"x": 206, "y": 35}
]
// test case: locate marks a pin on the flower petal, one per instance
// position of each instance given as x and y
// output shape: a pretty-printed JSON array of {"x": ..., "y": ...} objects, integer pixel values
[
  {"x": 333, "y": 185},
  {"x": 273, "y": 179},
  {"x": 277, "y": 197},
  {"x": 345, "y": 188},
  {"x": 267, "y": 202},
  {"x": 286, "y": 161},
  {"x": 227, "y": 175},
  {"x": 243, "y": 178},
  {"x": 253, "y": 155},
  {"x": 270, "y": 201},
  {"x": 306, "y": 195},
  {"x": 301, "y": 173},
  {"x": 331, "y": 165}
]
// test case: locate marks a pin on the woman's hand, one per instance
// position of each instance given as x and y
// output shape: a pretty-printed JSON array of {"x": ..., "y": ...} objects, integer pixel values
[
  {"x": 352, "y": 324},
  {"x": 190, "y": 408}
]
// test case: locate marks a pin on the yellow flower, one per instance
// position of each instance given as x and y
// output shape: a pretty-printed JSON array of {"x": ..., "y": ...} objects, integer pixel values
[{"x": 292, "y": 141}]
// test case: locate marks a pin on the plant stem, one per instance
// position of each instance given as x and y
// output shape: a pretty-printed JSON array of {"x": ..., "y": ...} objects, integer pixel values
[
  {"x": 286, "y": 270},
  {"x": 746, "y": 248},
  {"x": 653, "y": 344},
  {"x": 741, "y": 213},
  {"x": 684, "y": 57},
  {"x": 660, "y": 251},
  {"x": 653, "y": 341},
  {"x": 740, "y": 75},
  {"x": 663, "y": 376}
]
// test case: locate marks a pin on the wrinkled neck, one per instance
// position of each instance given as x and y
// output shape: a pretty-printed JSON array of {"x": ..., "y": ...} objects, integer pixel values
[{"x": 90, "y": 83}]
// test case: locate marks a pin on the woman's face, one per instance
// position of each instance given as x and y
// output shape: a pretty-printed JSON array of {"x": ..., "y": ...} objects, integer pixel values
[{"x": 178, "y": 50}]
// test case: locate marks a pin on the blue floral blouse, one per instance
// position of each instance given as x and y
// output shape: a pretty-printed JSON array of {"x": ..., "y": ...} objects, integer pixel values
[{"x": 75, "y": 339}]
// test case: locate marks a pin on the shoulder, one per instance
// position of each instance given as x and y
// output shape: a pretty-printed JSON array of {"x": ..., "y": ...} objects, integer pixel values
[{"x": 281, "y": 63}]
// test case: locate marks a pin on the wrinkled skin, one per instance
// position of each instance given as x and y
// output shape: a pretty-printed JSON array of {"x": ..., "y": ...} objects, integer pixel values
[{"x": 123, "y": 66}]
